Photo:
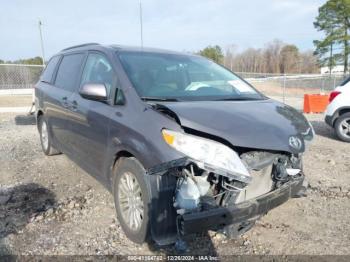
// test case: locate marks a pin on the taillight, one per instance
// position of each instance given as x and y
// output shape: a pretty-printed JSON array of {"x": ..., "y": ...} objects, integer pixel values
[{"x": 333, "y": 95}]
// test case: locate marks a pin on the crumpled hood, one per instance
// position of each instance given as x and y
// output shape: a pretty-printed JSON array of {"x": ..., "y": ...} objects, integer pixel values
[{"x": 265, "y": 124}]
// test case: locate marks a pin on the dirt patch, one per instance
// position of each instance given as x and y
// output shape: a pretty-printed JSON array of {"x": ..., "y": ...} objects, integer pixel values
[
  {"x": 52, "y": 207},
  {"x": 15, "y": 100}
]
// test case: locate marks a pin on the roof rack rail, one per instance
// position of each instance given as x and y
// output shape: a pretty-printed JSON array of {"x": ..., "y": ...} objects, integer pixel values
[{"x": 76, "y": 46}]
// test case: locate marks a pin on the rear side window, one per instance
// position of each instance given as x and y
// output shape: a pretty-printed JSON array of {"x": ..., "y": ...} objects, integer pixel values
[
  {"x": 49, "y": 70},
  {"x": 345, "y": 82},
  {"x": 68, "y": 71}
]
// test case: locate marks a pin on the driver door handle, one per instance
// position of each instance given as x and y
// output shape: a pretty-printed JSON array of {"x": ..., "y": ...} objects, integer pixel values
[
  {"x": 74, "y": 105},
  {"x": 65, "y": 102}
]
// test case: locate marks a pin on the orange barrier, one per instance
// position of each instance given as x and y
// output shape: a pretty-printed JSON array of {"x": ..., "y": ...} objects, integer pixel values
[{"x": 314, "y": 103}]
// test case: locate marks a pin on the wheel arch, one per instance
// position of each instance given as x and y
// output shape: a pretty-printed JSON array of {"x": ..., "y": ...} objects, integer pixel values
[
  {"x": 38, "y": 114},
  {"x": 344, "y": 110},
  {"x": 342, "y": 134},
  {"x": 122, "y": 153},
  {"x": 340, "y": 111}
]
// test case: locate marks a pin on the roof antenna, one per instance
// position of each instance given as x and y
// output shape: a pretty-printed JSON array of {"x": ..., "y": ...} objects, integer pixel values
[{"x": 141, "y": 29}]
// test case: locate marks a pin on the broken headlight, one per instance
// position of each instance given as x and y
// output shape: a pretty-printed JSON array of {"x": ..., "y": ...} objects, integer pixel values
[{"x": 207, "y": 151}]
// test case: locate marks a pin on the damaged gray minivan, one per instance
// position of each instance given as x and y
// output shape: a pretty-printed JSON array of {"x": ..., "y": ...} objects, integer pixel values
[{"x": 183, "y": 144}]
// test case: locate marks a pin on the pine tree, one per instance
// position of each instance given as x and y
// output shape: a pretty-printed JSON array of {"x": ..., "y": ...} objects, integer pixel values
[
  {"x": 334, "y": 20},
  {"x": 214, "y": 53}
]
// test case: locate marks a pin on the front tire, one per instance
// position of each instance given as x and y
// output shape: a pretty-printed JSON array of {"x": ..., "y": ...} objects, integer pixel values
[
  {"x": 342, "y": 127},
  {"x": 45, "y": 137},
  {"x": 132, "y": 199}
]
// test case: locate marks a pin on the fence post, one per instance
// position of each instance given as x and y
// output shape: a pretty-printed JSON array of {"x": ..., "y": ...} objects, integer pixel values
[{"x": 284, "y": 88}]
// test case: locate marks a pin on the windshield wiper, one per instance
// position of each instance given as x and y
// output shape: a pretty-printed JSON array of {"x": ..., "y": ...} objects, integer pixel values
[
  {"x": 168, "y": 99},
  {"x": 238, "y": 99}
]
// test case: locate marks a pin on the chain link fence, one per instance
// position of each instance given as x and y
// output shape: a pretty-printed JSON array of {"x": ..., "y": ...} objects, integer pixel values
[
  {"x": 16, "y": 78},
  {"x": 17, "y": 86},
  {"x": 290, "y": 88}
]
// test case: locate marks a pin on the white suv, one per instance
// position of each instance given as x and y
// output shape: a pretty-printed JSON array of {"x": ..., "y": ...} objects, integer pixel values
[{"x": 338, "y": 110}]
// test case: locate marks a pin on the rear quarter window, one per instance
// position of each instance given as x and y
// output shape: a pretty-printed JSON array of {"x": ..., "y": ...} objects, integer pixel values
[
  {"x": 69, "y": 71},
  {"x": 50, "y": 69},
  {"x": 346, "y": 81}
]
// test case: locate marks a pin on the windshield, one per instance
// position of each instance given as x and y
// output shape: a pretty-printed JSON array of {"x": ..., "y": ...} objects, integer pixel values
[{"x": 175, "y": 77}]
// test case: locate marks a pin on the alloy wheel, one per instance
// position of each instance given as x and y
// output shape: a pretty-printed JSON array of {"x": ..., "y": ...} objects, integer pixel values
[
  {"x": 345, "y": 127},
  {"x": 44, "y": 135},
  {"x": 130, "y": 201}
]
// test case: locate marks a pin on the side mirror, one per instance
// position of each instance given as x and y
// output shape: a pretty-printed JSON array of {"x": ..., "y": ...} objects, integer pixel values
[{"x": 94, "y": 91}]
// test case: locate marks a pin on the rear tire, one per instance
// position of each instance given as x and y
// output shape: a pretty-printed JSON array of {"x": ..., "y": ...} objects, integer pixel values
[
  {"x": 342, "y": 127},
  {"x": 132, "y": 199},
  {"x": 45, "y": 137}
]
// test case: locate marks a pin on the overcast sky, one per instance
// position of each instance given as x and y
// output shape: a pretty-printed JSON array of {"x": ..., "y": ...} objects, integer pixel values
[{"x": 183, "y": 25}]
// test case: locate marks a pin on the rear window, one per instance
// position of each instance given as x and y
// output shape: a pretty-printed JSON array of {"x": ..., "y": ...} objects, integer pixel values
[
  {"x": 347, "y": 80},
  {"x": 68, "y": 71},
  {"x": 49, "y": 70}
]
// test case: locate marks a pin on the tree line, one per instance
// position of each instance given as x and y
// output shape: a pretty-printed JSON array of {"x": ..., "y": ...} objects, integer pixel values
[
  {"x": 30, "y": 61},
  {"x": 275, "y": 57}
]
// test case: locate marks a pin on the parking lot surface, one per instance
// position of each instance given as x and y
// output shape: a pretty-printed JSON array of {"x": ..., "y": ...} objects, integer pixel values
[{"x": 50, "y": 206}]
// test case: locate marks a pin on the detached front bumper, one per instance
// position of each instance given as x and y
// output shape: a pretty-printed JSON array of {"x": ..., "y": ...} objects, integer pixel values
[{"x": 218, "y": 218}]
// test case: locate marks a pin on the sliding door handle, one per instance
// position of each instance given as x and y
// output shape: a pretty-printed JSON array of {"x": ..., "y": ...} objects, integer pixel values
[
  {"x": 74, "y": 105},
  {"x": 65, "y": 102}
]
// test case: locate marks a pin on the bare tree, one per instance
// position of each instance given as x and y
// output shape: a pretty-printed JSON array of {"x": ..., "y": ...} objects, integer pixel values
[{"x": 275, "y": 57}]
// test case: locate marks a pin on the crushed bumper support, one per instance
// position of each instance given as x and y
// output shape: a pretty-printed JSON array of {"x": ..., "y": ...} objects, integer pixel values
[
  {"x": 182, "y": 162},
  {"x": 220, "y": 217}
]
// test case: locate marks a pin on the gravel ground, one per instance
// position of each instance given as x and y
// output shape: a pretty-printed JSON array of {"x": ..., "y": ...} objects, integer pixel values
[{"x": 50, "y": 206}]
